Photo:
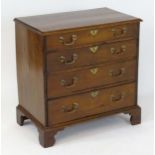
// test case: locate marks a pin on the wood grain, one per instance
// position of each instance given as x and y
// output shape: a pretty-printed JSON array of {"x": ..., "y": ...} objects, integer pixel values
[
  {"x": 85, "y": 37},
  {"x": 75, "y": 19},
  {"x": 85, "y": 57},
  {"x": 86, "y": 79},
  {"x": 76, "y": 66},
  {"x": 29, "y": 47},
  {"x": 124, "y": 96}
]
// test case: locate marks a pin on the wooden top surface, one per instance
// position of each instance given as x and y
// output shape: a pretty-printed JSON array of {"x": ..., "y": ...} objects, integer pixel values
[{"x": 76, "y": 19}]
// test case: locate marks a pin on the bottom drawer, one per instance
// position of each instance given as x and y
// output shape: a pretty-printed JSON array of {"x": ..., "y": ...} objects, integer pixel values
[{"x": 90, "y": 103}]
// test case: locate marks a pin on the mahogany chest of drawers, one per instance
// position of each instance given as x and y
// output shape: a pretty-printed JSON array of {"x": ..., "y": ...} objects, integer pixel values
[{"x": 76, "y": 66}]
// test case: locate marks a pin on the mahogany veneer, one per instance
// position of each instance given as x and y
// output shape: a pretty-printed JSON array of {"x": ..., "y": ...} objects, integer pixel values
[{"x": 76, "y": 66}]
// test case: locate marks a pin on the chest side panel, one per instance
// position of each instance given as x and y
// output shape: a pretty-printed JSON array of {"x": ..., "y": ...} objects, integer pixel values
[{"x": 30, "y": 62}]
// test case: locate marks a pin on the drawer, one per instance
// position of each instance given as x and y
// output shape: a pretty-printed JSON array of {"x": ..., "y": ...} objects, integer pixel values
[
  {"x": 91, "y": 55},
  {"x": 61, "y": 40},
  {"x": 72, "y": 81},
  {"x": 90, "y": 103}
]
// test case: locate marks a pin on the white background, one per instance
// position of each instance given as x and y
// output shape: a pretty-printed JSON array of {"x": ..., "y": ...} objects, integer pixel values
[{"x": 109, "y": 136}]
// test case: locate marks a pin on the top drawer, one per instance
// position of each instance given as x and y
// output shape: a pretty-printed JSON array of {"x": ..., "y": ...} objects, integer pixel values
[{"x": 91, "y": 35}]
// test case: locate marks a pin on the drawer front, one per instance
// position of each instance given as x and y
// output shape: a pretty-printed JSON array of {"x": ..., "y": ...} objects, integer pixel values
[
  {"x": 67, "y": 40},
  {"x": 68, "y": 82},
  {"x": 67, "y": 59},
  {"x": 95, "y": 102}
]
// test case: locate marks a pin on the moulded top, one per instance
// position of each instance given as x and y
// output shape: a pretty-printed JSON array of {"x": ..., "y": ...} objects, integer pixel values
[{"x": 75, "y": 19}]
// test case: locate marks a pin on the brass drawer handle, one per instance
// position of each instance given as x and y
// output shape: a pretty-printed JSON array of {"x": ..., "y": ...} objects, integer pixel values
[
  {"x": 118, "y": 72},
  {"x": 73, "y": 39},
  {"x": 69, "y": 85},
  {"x": 119, "y": 32},
  {"x": 118, "y": 51},
  {"x": 93, "y": 32},
  {"x": 117, "y": 97},
  {"x": 94, "y": 49},
  {"x": 94, "y": 70},
  {"x": 70, "y": 109},
  {"x": 68, "y": 62}
]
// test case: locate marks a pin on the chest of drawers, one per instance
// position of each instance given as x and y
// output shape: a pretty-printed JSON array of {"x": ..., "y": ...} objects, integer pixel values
[{"x": 76, "y": 66}]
